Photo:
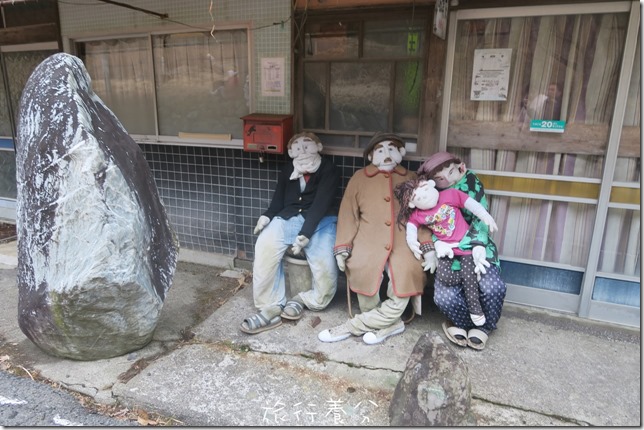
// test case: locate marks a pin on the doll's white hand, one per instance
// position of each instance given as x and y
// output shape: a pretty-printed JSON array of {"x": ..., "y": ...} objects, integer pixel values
[
  {"x": 444, "y": 249},
  {"x": 261, "y": 223},
  {"x": 341, "y": 259},
  {"x": 479, "y": 211},
  {"x": 431, "y": 262},
  {"x": 480, "y": 261},
  {"x": 300, "y": 243},
  {"x": 412, "y": 240}
]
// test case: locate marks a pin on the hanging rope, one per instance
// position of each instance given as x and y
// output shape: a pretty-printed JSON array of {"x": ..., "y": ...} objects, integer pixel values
[{"x": 212, "y": 18}]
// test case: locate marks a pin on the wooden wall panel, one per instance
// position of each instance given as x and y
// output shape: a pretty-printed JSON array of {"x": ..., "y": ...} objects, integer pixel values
[
  {"x": 28, "y": 12},
  {"x": 576, "y": 139},
  {"x": 29, "y": 34},
  {"x": 429, "y": 134},
  {"x": 337, "y": 4}
]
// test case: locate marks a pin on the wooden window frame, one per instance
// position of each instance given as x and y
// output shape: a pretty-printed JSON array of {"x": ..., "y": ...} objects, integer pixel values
[{"x": 428, "y": 120}]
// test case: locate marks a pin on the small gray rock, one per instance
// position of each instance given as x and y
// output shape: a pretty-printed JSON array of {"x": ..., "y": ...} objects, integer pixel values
[{"x": 435, "y": 388}]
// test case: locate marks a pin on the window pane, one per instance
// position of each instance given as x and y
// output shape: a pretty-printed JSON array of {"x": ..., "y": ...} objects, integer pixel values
[
  {"x": 362, "y": 75},
  {"x": 543, "y": 230},
  {"x": 20, "y": 65},
  {"x": 364, "y": 141},
  {"x": 628, "y": 167},
  {"x": 332, "y": 39},
  {"x": 201, "y": 82},
  {"x": 559, "y": 70},
  {"x": 5, "y": 118},
  {"x": 621, "y": 249},
  {"x": 360, "y": 96},
  {"x": 393, "y": 39},
  {"x": 621, "y": 244},
  {"x": 407, "y": 96},
  {"x": 617, "y": 291},
  {"x": 337, "y": 140},
  {"x": 122, "y": 77},
  {"x": 8, "y": 174},
  {"x": 314, "y": 106},
  {"x": 562, "y": 67},
  {"x": 545, "y": 278}
]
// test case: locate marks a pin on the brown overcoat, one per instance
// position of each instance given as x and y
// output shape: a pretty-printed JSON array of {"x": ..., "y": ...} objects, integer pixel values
[{"x": 368, "y": 231}]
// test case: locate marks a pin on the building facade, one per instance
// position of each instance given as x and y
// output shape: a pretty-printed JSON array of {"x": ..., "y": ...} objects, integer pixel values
[{"x": 542, "y": 101}]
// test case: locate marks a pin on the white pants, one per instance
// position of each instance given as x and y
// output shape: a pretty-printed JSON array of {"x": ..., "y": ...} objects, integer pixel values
[
  {"x": 269, "y": 287},
  {"x": 375, "y": 315}
]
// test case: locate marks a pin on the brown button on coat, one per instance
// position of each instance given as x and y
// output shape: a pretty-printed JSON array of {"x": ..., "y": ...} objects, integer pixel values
[{"x": 367, "y": 228}]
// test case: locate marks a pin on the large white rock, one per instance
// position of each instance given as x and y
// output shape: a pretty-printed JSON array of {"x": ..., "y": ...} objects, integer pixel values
[{"x": 96, "y": 252}]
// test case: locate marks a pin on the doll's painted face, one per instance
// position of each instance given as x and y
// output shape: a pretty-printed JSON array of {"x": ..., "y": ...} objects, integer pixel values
[
  {"x": 425, "y": 196},
  {"x": 449, "y": 175},
  {"x": 386, "y": 155},
  {"x": 304, "y": 148}
]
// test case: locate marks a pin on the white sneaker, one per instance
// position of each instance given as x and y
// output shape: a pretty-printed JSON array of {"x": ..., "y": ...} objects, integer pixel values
[
  {"x": 372, "y": 338},
  {"x": 334, "y": 334},
  {"x": 478, "y": 320}
]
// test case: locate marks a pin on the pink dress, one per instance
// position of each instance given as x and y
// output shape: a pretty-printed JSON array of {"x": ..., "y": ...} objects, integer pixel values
[{"x": 445, "y": 219}]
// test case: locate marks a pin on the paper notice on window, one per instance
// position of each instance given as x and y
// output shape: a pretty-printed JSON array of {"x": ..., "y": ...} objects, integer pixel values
[
  {"x": 273, "y": 77},
  {"x": 440, "y": 18},
  {"x": 491, "y": 74}
]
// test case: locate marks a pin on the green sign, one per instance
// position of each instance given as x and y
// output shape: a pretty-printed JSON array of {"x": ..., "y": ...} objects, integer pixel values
[
  {"x": 547, "y": 125},
  {"x": 412, "y": 43}
]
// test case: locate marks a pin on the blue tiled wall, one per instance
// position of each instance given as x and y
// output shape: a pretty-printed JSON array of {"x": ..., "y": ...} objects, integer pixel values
[{"x": 215, "y": 196}]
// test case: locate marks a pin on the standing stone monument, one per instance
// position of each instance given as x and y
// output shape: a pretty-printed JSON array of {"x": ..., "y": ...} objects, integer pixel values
[{"x": 96, "y": 252}]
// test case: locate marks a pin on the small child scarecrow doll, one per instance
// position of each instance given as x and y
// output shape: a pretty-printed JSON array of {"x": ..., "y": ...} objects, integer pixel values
[{"x": 421, "y": 204}]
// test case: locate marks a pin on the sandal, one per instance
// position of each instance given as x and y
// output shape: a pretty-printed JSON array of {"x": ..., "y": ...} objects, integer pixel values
[
  {"x": 456, "y": 335},
  {"x": 476, "y": 339},
  {"x": 259, "y": 323},
  {"x": 293, "y": 310}
]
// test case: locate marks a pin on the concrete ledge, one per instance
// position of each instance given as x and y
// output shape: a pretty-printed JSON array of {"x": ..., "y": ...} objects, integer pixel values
[
  {"x": 206, "y": 258},
  {"x": 8, "y": 210},
  {"x": 8, "y": 255},
  {"x": 8, "y": 261}
]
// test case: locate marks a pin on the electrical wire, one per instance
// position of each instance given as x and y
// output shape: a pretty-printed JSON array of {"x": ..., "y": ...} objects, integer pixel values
[{"x": 212, "y": 29}]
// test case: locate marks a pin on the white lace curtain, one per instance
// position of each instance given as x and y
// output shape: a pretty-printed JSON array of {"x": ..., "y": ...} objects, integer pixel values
[
  {"x": 196, "y": 82},
  {"x": 122, "y": 77},
  {"x": 581, "y": 55}
]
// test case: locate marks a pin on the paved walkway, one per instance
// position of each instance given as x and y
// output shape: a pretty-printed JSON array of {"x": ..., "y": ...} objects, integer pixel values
[{"x": 539, "y": 368}]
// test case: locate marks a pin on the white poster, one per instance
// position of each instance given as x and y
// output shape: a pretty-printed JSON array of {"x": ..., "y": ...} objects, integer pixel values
[
  {"x": 491, "y": 74},
  {"x": 440, "y": 18},
  {"x": 273, "y": 77}
]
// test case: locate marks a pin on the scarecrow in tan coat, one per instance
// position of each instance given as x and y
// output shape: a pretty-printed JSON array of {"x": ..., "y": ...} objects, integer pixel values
[{"x": 369, "y": 243}]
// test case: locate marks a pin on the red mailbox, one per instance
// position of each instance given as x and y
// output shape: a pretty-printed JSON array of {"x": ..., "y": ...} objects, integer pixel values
[{"x": 265, "y": 132}]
